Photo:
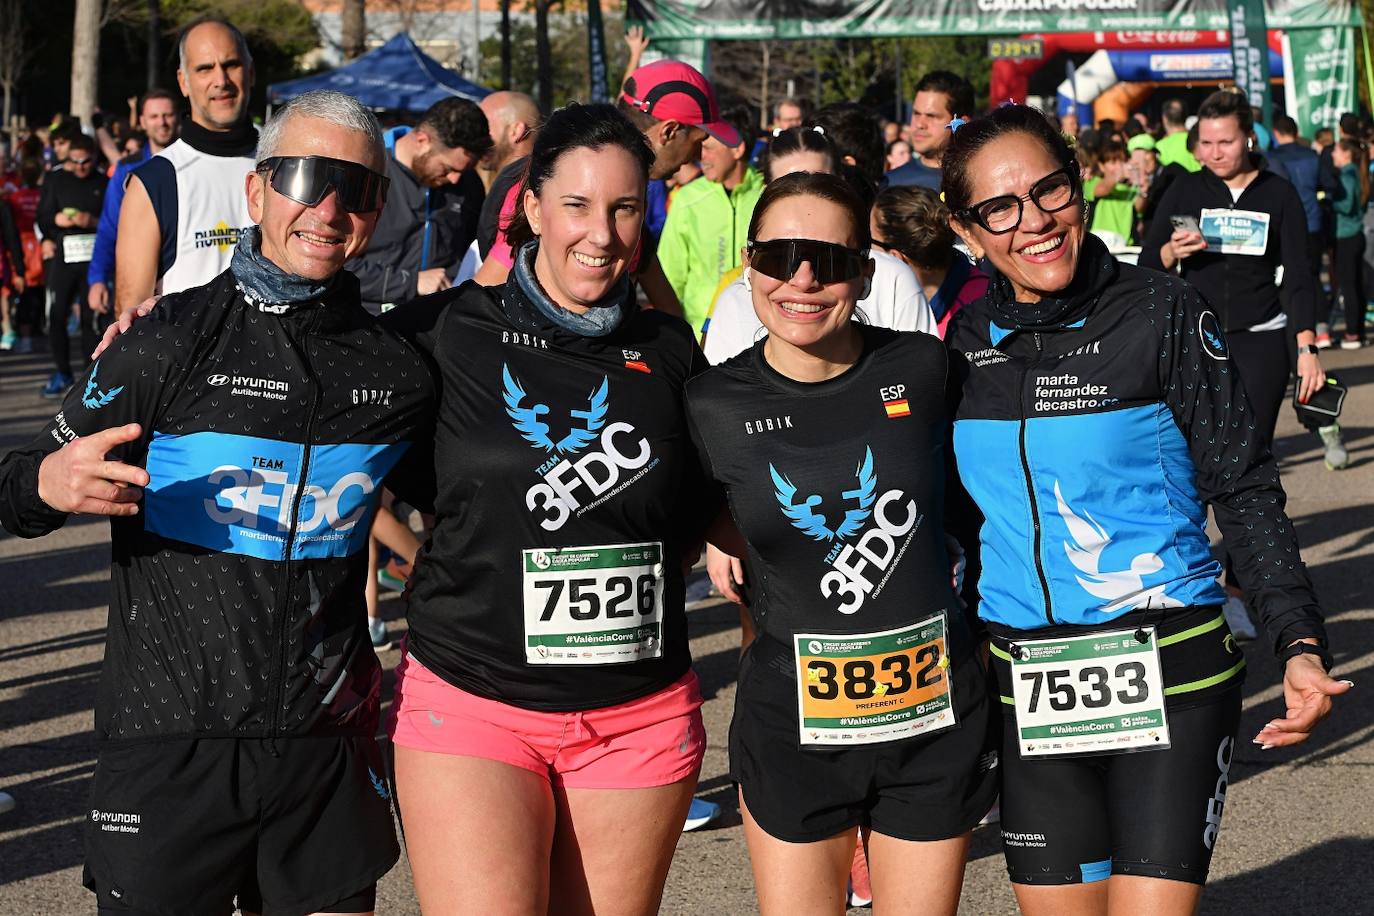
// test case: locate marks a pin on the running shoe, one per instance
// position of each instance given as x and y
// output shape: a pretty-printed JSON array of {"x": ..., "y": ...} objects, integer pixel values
[
  {"x": 376, "y": 628},
  {"x": 700, "y": 814},
  {"x": 1238, "y": 619},
  {"x": 6, "y": 803},
  {"x": 1337, "y": 458},
  {"x": 393, "y": 575},
  {"x": 1352, "y": 342},
  {"x": 25, "y": 345},
  {"x": 57, "y": 385},
  {"x": 8, "y": 340},
  {"x": 1323, "y": 336}
]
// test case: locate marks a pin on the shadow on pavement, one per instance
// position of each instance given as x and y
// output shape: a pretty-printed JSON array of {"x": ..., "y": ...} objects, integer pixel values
[{"x": 1318, "y": 880}]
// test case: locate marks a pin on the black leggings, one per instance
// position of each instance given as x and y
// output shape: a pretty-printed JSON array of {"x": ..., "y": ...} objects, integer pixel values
[
  {"x": 1316, "y": 248},
  {"x": 1262, "y": 361},
  {"x": 67, "y": 284},
  {"x": 1350, "y": 276}
]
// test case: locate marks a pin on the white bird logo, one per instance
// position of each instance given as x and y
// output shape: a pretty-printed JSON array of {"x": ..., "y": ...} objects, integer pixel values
[{"x": 1120, "y": 590}]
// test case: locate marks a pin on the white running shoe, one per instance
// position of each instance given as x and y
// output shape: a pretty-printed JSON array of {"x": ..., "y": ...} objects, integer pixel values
[
  {"x": 700, "y": 814},
  {"x": 1238, "y": 619}
]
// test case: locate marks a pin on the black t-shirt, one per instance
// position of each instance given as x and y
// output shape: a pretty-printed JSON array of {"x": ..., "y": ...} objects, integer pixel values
[
  {"x": 488, "y": 224},
  {"x": 837, "y": 486},
  {"x": 567, "y": 493}
]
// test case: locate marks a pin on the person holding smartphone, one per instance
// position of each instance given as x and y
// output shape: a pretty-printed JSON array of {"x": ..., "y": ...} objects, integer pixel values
[{"x": 1248, "y": 259}]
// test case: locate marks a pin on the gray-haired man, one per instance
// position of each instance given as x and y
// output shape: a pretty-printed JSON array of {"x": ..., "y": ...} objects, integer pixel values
[{"x": 239, "y": 436}]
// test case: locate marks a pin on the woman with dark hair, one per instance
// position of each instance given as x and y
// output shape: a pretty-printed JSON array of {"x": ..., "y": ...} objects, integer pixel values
[
  {"x": 547, "y": 719},
  {"x": 1248, "y": 260},
  {"x": 1100, "y": 415},
  {"x": 912, "y": 223},
  {"x": 893, "y": 298},
  {"x": 861, "y": 703}
]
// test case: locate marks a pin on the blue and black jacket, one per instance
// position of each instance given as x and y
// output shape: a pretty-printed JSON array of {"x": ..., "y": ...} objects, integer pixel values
[
  {"x": 1093, "y": 451},
  {"x": 237, "y": 605}
]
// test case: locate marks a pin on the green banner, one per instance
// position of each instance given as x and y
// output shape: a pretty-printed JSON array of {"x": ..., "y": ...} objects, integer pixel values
[
  {"x": 1250, "y": 54},
  {"x": 752, "y": 19},
  {"x": 1321, "y": 83}
]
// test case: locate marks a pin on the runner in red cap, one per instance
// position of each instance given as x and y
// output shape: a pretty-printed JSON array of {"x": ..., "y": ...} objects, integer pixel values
[{"x": 675, "y": 107}]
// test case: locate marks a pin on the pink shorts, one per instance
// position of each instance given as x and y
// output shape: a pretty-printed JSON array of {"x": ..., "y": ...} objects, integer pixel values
[{"x": 652, "y": 741}]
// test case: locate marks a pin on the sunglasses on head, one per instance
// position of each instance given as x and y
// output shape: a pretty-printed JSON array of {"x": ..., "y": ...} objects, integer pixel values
[
  {"x": 81, "y": 161},
  {"x": 307, "y": 179},
  {"x": 830, "y": 263}
]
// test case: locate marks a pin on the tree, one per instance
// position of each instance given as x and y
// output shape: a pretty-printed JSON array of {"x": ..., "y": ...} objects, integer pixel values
[
  {"x": 17, "y": 52},
  {"x": 85, "y": 58},
  {"x": 543, "y": 56},
  {"x": 353, "y": 28},
  {"x": 568, "y": 51}
]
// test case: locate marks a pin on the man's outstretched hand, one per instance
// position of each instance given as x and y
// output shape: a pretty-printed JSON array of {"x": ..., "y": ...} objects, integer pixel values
[{"x": 78, "y": 477}]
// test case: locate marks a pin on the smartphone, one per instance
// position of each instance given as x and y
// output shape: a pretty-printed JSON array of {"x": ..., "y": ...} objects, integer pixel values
[{"x": 1186, "y": 223}]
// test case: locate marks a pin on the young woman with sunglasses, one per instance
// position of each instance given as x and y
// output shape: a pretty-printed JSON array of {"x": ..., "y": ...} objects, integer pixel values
[
  {"x": 861, "y": 703},
  {"x": 1099, "y": 415},
  {"x": 547, "y": 722}
]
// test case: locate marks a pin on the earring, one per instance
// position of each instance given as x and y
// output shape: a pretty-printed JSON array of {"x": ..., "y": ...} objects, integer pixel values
[{"x": 748, "y": 282}]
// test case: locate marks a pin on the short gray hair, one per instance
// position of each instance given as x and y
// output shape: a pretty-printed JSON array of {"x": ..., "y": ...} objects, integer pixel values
[
  {"x": 327, "y": 105},
  {"x": 239, "y": 41}
]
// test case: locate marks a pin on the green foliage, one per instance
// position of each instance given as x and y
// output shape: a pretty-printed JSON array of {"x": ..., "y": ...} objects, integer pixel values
[
  {"x": 860, "y": 68},
  {"x": 568, "y": 47}
]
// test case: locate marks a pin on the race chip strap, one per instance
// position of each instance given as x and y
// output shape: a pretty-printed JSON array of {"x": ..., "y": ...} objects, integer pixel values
[
  {"x": 593, "y": 605},
  {"x": 1096, "y": 694},
  {"x": 869, "y": 688}
]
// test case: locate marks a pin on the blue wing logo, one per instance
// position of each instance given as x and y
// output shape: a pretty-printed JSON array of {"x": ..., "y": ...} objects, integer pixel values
[
  {"x": 529, "y": 421},
  {"x": 526, "y": 419},
  {"x": 593, "y": 418},
  {"x": 1213, "y": 344},
  {"x": 804, "y": 515},
  {"x": 93, "y": 398},
  {"x": 378, "y": 785}
]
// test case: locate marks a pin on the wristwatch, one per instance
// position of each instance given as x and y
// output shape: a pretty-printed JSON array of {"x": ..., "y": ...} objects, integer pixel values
[
  {"x": 1307, "y": 648},
  {"x": 1308, "y": 348}
]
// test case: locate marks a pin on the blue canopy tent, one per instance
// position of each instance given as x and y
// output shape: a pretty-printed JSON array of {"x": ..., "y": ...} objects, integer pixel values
[{"x": 398, "y": 76}]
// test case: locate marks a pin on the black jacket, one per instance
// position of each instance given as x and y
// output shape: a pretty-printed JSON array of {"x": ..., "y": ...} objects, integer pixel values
[
  {"x": 63, "y": 190},
  {"x": 237, "y": 591},
  {"x": 1241, "y": 288},
  {"x": 390, "y": 268}
]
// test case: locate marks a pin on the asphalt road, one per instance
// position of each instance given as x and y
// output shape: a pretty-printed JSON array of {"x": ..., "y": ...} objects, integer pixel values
[{"x": 1298, "y": 835}]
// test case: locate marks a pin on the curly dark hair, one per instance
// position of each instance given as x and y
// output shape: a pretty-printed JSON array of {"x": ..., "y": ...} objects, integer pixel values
[
  {"x": 916, "y": 223},
  {"x": 458, "y": 124}
]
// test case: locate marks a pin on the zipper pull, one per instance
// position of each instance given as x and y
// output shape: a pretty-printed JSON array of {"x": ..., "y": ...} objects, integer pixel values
[{"x": 1039, "y": 348}]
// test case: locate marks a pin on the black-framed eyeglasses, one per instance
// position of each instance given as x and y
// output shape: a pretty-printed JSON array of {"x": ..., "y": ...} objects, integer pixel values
[
  {"x": 999, "y": 215},
  {"x": 830, "y": 263},
  {"x": 307, "y": 179}
]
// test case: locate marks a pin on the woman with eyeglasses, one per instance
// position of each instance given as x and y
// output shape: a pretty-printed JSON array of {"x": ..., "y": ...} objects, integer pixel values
[
  {"x": 861, "y": 703},
  {"x": 1100, "y": 414}
]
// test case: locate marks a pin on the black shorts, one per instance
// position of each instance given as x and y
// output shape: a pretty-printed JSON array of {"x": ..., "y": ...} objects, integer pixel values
[
  {"x": 1151, "y": 813},
  {"x": 189, "y": 826},
  {"x": 931, "y": 787}
]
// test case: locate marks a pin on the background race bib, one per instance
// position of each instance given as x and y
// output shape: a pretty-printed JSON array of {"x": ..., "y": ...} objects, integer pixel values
[
  {"x": 873, "y": 687},
  {"x": 593, "y": 605},
  {"x": 77, "y": 249},
  {"x": 1102, "y": 693},
  {"x": 1231, "y": 231}
]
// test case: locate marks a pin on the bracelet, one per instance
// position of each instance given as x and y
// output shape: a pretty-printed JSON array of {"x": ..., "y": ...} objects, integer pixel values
[{"x": 1307, "y": 648}]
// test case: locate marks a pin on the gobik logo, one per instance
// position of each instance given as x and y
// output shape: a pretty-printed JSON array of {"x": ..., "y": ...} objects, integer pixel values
[
  {"x": 597, "y": 472},
  {"x": 873, "y": 546}
]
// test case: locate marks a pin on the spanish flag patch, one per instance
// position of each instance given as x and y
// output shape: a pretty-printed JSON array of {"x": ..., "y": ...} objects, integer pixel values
[
  {"x": 897, "y": 408},
  {"x": 638, "y": 365}
]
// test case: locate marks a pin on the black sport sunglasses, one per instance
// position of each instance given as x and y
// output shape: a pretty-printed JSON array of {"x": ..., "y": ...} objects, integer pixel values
[
  {"x": 782, "y": 258},
  {"x": 307, "y": 179}
]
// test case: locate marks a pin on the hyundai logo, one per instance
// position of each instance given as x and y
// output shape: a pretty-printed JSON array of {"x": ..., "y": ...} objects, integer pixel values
[{"x": 218, "y": 380}]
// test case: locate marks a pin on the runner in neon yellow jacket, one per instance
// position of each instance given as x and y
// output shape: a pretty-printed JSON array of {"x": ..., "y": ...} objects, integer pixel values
[{"x": 702, "y": 237}]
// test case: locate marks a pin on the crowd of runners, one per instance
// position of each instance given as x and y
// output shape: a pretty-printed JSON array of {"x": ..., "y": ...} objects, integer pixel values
[{"x": 943, "y": 406}]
